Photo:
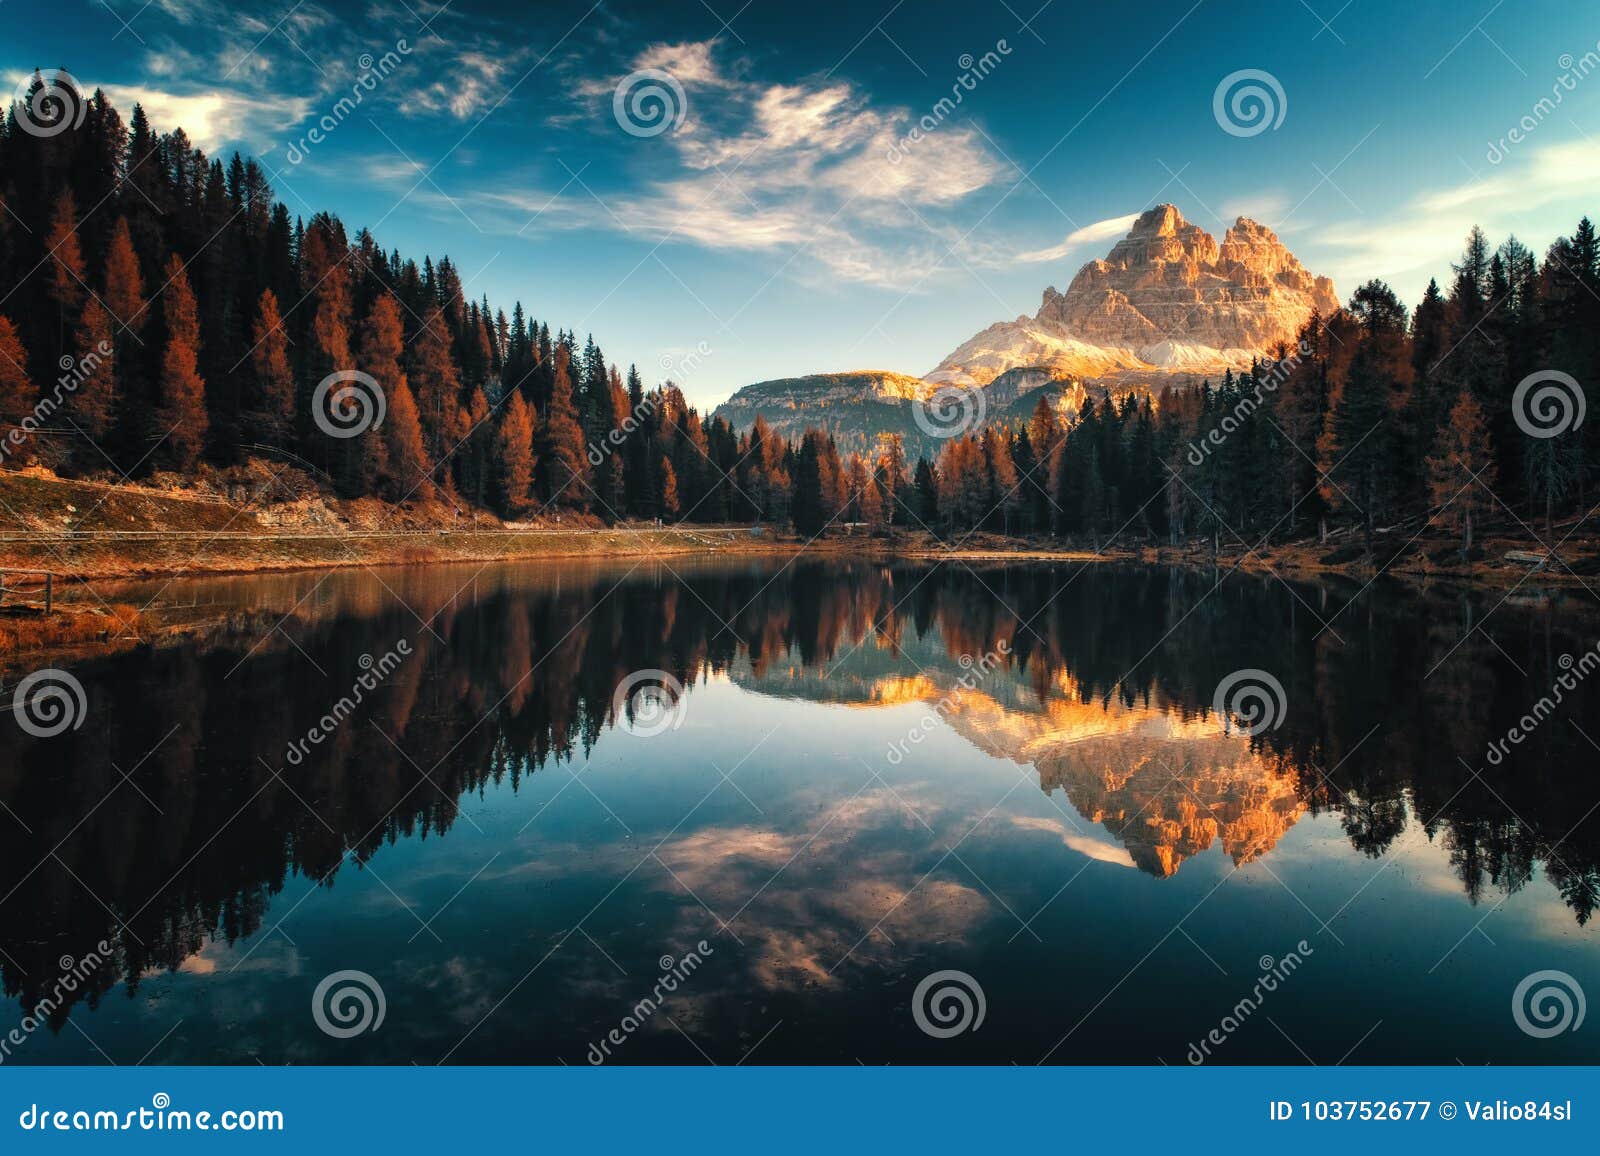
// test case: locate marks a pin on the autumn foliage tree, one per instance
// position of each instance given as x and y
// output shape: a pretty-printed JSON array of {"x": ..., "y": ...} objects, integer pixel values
[
  {"x": 124, "y": 285},
  {"x": 270, "y": 403},
  {"x": 1461, "y": 469},
  {"x": 17, "y": 395},
  {"x": 93, "y": 406},
  {"x": 67, "y": 268},
  {"x": 670, "y": 501},
  {"x": 563, "y": 467},
  {"x": 182, "y": 410},
  {"x": 516, "y": 457},
  {"x": 408, "y": 464}
]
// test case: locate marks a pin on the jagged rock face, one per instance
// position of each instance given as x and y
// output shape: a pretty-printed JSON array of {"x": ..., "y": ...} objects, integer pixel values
[
  {"x": 1167, "y": 298},
  {"x": 1170, "y": 280}
]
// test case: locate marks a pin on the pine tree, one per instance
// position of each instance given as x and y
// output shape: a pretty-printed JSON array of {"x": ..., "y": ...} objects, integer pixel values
[
  {"x": 17, "y": 395},
  {"x": 608, "y": 403},
  {"x": 330, "y": 324},
  {"x": 382, "y": 345},
  {"x": 93, "y": 405},
  {"x": 636, "y": 449},
  {"x": 124, "y": 285},
  {"x": 562, "y": 466},
  {"x": 515, "y": 451},
  {"x": 1356, "y": 455},
  {"x": 408, "y": 462},
  {"x": 1461, "y": 471},
  {"x": 270, "y": 413},
  {"x": 1552, "y": 467},
  {"x": 435, "y": 382},
  {"x": 67, "y": 269},
  {"x": 810, "y": 504},
  {"x": 182, "y": 414},
  {"x": 927, "y": 501},
  {"x": 892, "y": 480},
  {"x": 669, "y": 491},
  {"x": 478, "y": 457},
  {"x": 869, "y": 502}
]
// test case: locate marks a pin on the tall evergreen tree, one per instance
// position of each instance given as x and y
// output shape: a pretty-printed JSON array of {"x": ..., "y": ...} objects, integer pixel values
[
  {"x": 516, "y": 457},
  {"x": 182, "y": 416},
  {"x": 563, "y": 468}
]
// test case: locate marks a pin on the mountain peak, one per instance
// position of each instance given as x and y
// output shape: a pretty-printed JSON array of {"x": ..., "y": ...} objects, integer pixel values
[
  {"x": 1162, "y": 221},
  {"x": 1167, "y": 297}
]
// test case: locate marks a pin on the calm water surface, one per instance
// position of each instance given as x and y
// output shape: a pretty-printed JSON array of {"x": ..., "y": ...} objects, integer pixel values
[{"x": 876, "y": 772}]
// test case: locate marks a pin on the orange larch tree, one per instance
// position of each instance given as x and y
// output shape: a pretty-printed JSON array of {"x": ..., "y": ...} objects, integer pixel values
[
  {"x": 182, "y": 414},
  {"x": 515, "y": 449},
  {"x": 17, "y": 395},
  {"x": 66, "y": 259},
  {"x": 562, "y": 461},
  {"x": 124, "y": 285},
  {"x": 94, "y": 402},
  {"x": 408, "y": 458},
  {"x": 269, "y": 412}
]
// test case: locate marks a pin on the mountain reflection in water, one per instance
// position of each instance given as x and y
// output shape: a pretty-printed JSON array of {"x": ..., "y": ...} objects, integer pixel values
[{"x": 789, "y": 823}]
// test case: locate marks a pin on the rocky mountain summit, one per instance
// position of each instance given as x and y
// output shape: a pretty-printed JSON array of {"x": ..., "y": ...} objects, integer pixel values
[{"x": 1168, "y": 298}]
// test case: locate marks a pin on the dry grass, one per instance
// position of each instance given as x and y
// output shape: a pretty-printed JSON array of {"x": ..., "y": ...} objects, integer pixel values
[
  {"x": 411, "y": 555},
  {"x": 24, "y": 628}
]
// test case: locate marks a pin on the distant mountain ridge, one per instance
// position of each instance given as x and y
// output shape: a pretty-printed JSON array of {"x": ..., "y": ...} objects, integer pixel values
[{"x": 1168, "y": 304}]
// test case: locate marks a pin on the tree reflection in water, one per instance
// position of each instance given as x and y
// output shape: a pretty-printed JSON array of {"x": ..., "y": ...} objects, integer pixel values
[{"x": 172, "y": 817}]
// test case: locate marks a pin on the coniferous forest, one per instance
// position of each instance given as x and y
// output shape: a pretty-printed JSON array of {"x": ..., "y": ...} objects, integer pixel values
[{"x": 164, "y": 311}]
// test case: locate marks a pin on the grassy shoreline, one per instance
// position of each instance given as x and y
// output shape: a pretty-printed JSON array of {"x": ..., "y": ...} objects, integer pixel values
[
  {"x": 108, "y": 557},
  {"x": 104, "y": 557},
  {"x": 92, "y": 534}
]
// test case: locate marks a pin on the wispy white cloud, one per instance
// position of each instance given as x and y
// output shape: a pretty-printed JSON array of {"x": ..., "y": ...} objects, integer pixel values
[
  {"x": 1112, "y": 228},
  {"x": 1527, "y": 196},
  {"x": 209, "y": 117},
  {"x": 232, "y": 77},
  {"x": 813, "y": 166},
  {"x": 473, "y": 81},
  {"x": 216, "y": 117}
]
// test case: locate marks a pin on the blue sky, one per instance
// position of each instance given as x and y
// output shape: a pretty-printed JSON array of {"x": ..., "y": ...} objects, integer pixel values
[{"x": 769, "y": 233}]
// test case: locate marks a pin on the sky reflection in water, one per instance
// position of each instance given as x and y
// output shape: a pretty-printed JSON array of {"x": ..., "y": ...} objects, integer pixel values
[{"x": 1079, "y": 831}]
